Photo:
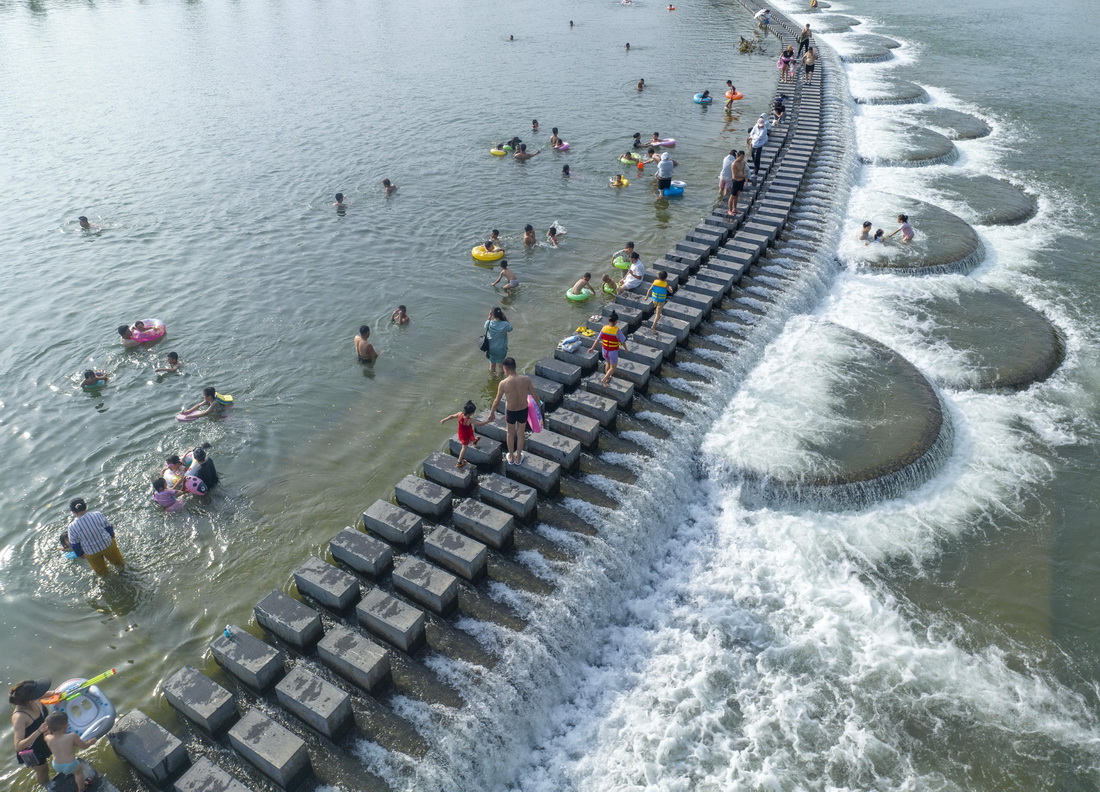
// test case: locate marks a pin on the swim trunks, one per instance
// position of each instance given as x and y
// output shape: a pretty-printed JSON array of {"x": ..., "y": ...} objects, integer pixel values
[
  {"x": 516, "y": 416},
  {"x": 738, "y": 186}
]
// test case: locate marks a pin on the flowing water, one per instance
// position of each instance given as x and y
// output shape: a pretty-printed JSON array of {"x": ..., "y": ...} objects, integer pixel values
[{"x": 939, "y": 637}]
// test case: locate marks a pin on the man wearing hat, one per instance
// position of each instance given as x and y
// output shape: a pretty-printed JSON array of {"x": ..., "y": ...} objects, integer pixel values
[{"x": 28, "y": 721}]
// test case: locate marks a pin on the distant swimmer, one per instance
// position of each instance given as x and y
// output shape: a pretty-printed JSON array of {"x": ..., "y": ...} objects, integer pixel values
[
  {"x": 641, "y": 84},
  {"x": 529, "y": 232},
  {"x": 628, "y": 45},
  {"x": 524, "y": 154},
  {"x": 400, "y": 316},
  {"x": 555, "y": 141},
  {"x": 171, "y": 365},
  {"x": 637, "y": 141},
  {"x": 671, "y": 7},
  {"x": 903, "y": 228},
  {"x": 389, "y": 187},
  {"x": 511, "y": 281},
  {"x": 877, "y": 239},
  {"x": 93, "y": 378},
  {"x": 534, "y": 125},
  {"x": 85, "y": 225},
  {"x": 364, "y": 349},
  {"x": 210, "y": 405},
  {"x": 565, "y": 171},
  {"x": 552, "y": 235},
  {"x": 570, "y": 23},
  {"x": 494, "y": 237},
  {"x": 865, "y": 232},
  {"x": 341, "y": 207},
  {"x": 618, "y": 181},
  {"x": 655, "y": 140}
]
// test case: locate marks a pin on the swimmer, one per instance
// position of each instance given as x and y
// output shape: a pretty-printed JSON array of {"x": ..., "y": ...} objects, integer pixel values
[
  {"x": 565, "y": 171},
  {"x": 641, "y": 84},
  {"x": 552, "y": 236},
  {"x": 494, "y": 237},
  {"x": 534, "y": 125},
  {"x": 524, "y": 154},
  {"x": 555, "y": 141},
  {"x": 529, "y": 233},
  {"x": 636, "y": 143},
  {"x": 705, "y": 96},
  {"x": 511, "y": 38},
  {"x": 400, "y": 316},
  {"x": 490, "y": 247},
  {"x": 389, "y": 187},
  {"x": 85, "y": 225},
  {"x": 339, "y": 202},
  {"x": 570, "y": 23},
  {"x": 865, "y": 232},
  {"x": 610, "y": 285},
  {"x": 671, "y": 7},
  {"x": 209, "y": 405},
  {"x": 364, "y": 349},
  {"x": 506, "y": 275},
  {"x": 92, "y": 378},
  {"x": 628, "y": 46},
  {"x": 168, "y": 499},
  {"x": 583, "y": 283},
  {"x": 904, "y": 228},
  {"x": 171, "y": 366},
  {"x": 655, "y": 140},
  {"x": 878, "y": 239},
  {"x": 618, "y": 181},
  {"x": 651, "y": 156},
  {"x": 126, "y": 333}
]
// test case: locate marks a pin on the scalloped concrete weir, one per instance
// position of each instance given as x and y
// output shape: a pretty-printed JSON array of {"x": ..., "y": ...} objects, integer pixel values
[{"x": 422, "y": 560}]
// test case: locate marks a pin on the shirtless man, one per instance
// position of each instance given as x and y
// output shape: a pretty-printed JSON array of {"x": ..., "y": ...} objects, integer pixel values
[
  {"x": 740, "y": 174},
  {"x": 585, "y": 282},
  {"x": 511, "y": 281},
  {"x": 523, "y": 153},
  {"x": 364, "y": 349},
  {"x": 514, "y": 389}
]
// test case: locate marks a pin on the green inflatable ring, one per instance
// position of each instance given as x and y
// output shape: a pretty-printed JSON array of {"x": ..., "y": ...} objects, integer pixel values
[
  {"x": 620, "y": 263},
  {"x": 584, "y": 295},
  {"x": 607, "y": 287}
]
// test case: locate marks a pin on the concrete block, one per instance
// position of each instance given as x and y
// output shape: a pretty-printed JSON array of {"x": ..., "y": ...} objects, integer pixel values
[
  {"x": 205, "y": 776},
  {"x": 423, "y": 496},
  {"x": 440, "y": 468},
  {"x": 637, "y": 301},
  {"x": 735, "y": 257},
  {"x": 284, "y": 616},
  {"x": 722, "y": 277},
  {"x": 698, "y": 250},
  {"x": 677, "y": 328},
  {"x": 549, "y": 391},
  {"x": 684, "y": 310},
  {"x": 542, "y": 474},
  {"x": 451, "y": 550},
  {"x": 583, "y": 358},
  {"x": 322, "y": 706},
  {"x": 707, "y": 237},
  {"x": 661, "y": 341},
  {"x": 487, "y": 455},
  {"x": 581, "y": 428},
  {"x": 640, "y": 353},
  {"x": 558, "y": 448},
  {"x": 618, "y": 389},
  {"x": 272, "y": 749},
  {"x": 629, "y": 318},
  {"x": 633, "y": 372},
  {"x": 249, "y": 659},
  {"x": 762, "y": 227},
  {"x": 394, "y": 524},
  {"x": 705, "y": 285},
  {"x": 363, "y": 553},
  {"x": 392, "y": 620},
  {"x": 483, "y": 522},
  {"x": 429, "y": 585},
  {"x": 704, "y": 301},
  {"x": 201, "y": 700},
  {"x": 332, "y": 587},
  {"x": 553, "y": 369},
  {"x": 354, "y": 657},
  {"x": 673, "y": 266},
  {"x": 601, "y": 408},
  {"x": 150, "y": 748},
  {"x": 516, "y": 499}
]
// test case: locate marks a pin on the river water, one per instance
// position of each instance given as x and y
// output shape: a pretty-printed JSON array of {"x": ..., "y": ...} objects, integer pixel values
[{"x": 940, "y": 638}]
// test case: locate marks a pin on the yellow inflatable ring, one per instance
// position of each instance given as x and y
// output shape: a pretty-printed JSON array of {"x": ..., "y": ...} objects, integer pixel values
[
  {"x": 481, "y": 254},
  {"x": 624, "y": 182},
  {"x": 497, "y": 152}
]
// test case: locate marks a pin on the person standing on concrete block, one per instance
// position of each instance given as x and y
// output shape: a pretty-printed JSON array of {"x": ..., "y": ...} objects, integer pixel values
[
  {"x": 466, "y": 436},
  {"x": 738, "y": 184},
  {"x": 612, "y": 339},
  {"x": 514, "y": 389},
  {"x": 725, "y": 173},
  {"x": 804, "y": 40},
  {"x": 91, "y": 536},
  {"x": 658, "y": 292},
  {"x": 758, "y": 138}
]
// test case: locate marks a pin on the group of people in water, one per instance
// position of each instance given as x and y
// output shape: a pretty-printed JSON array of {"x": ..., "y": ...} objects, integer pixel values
[{"x": 880, "y": 236}]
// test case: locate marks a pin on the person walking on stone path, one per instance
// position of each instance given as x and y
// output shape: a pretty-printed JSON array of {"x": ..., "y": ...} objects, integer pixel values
[
  {"x": 808, "y": 61},
  {"x": 514, "y": 389},
  {"x": 466, "y": 436},
  {"x": 804, "y": 39},
  {"x": 612, "y": 339}
]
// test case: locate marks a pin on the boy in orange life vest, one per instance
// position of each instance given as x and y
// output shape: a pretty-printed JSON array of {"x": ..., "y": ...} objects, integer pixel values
[
  {"x": 659, "y": 292},
  {"x": 613, "y": 340}
]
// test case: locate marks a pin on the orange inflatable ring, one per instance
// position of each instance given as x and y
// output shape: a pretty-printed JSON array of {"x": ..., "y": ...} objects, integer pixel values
[{"x": 734, "y": 95}]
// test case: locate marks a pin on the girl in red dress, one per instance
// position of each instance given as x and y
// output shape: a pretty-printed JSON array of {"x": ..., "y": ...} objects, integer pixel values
[{"x": 466, "y": 434}]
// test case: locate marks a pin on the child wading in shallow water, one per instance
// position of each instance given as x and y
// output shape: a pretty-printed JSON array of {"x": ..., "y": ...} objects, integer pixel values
[{"x": 466, "y": 434}]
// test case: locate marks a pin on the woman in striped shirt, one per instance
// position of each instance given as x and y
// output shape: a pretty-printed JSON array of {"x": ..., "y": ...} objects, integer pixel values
[{"x": 93, "y": 538}]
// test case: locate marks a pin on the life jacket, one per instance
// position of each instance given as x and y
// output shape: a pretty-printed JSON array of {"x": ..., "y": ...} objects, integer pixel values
[
  {"x": 609, "y": 337},
  {"x": 659, "y": 291}
]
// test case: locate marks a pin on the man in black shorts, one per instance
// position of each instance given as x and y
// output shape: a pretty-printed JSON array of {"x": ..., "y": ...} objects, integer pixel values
[
  {"x": 738, "y": 184},
  {"x": 514, "y": 389}
]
